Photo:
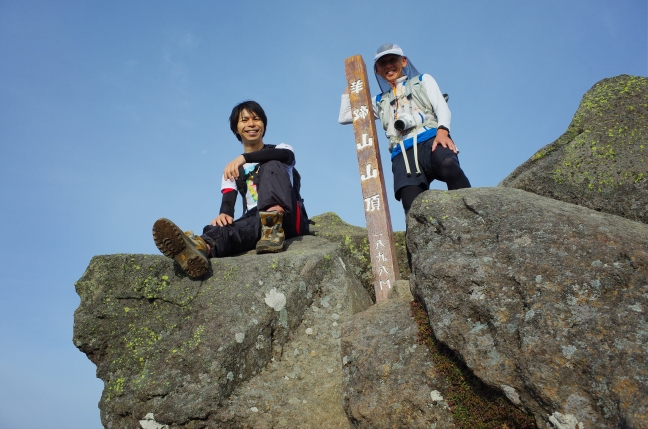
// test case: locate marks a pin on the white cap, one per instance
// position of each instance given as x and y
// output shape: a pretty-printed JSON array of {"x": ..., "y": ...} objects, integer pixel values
[{"x": 388, "y": 48}]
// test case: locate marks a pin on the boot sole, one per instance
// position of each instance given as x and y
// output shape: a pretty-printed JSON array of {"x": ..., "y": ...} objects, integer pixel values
[
  {"x": 269, "y": 248},
  {"x": 174, "y": 244}
]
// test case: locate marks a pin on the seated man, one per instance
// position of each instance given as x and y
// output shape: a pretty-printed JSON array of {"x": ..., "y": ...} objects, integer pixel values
[{"x": 272, "y": 208}]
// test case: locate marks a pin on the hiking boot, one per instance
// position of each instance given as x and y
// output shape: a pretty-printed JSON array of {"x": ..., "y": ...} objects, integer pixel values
[
  {"x": 272, "y": 233},
  {"x": 187, "y": 249}
]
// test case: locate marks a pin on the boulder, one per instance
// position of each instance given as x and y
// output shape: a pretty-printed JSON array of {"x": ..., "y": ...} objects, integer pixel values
[
  {"x": 544, "y": 300},
  {"x": 186, "y": 353},
  {"x": 390, "y": 380},
  {"x": 601, "y": 161},
  {"x": 398, "y": 375},
  {"x": 303, "y": 387}
]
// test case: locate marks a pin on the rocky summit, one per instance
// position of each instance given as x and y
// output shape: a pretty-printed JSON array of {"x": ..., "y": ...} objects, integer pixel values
[
  {"x": 601, "y": 161},
  {"x": 544, "y": 300},
  {"x": 526, "y": 307},
  {"x": 255, "y": 344}
]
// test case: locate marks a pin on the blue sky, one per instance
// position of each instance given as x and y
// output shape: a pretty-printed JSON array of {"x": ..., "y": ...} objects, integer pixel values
[{"x": 114, "y": 114}]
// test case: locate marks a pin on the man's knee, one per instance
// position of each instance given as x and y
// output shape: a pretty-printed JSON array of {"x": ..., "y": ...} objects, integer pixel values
[
  {"x": 274, "y": 167},
  {"x": 274, "y": 186}
]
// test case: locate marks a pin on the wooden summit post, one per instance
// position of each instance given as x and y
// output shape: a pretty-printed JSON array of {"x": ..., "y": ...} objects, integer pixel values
[{"x": 384, "y": 264}]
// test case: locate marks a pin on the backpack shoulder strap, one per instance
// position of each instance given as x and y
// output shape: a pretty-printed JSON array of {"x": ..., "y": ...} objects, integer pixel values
[
  {"x": 383, "y": 102},
  {"x": 419, "y": 94}
]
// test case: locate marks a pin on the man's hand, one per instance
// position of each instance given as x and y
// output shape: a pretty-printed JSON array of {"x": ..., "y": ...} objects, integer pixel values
[
  {"x": 222, "y": 220},
  {"x": 444, "y": 140},
  {"x": 232, "y": 169}
]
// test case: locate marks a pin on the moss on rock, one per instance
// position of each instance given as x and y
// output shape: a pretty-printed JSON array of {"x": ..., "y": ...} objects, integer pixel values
[
  {"x": 354, "y": 244},
  {"x": 601, "y": 161}
]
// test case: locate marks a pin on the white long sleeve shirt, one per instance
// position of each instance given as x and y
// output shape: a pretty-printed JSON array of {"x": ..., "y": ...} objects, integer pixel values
[{"x": 441, "y": 111}]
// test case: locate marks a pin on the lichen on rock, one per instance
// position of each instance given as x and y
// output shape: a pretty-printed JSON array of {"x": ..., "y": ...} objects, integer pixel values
[
  {"x": 601, "y": 161},
  {"x": 181, "y": 349},
  {"x": 354, "y": 245}
]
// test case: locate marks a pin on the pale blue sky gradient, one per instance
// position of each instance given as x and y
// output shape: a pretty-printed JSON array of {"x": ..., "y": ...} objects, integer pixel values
[{"x": 114, "y": 114}]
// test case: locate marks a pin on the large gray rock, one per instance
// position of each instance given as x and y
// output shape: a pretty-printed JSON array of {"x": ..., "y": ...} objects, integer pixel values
[
  {"x": 601, "y": 161},
  {"x": 177, "y": 352},
  {"x": 390, "y": 380},
  {"x": 303, "y": 387},
  {"x": 544, "y": 300}
]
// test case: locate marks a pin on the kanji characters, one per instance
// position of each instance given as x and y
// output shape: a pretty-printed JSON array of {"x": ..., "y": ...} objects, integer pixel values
[
  {"x": 372, "y": 173},
  {"x": 372, "y": 203},
  {"x": 360, "y": 113},
  {"x": 356, "y": 86},
  {"x": 365, "y": 142}
]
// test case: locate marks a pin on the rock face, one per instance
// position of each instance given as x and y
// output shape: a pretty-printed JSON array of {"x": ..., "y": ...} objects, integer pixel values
[
  {"x": 193, "y": 354},
  {"x": 303, "y": 387},
  {"x": 601, "y": 161},
  {"x": 544, "y": 300},
  {"x": 354, "y": 246},
  {"x": 389, "y": 379}
]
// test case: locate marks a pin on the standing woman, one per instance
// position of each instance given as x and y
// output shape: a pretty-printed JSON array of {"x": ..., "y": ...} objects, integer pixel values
[{"x": 416, "y": 120}]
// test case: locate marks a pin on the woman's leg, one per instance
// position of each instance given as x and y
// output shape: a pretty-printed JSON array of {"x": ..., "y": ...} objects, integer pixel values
[
  {"x": 408, "y": 194},
  {"x": 445, "y": 167}
]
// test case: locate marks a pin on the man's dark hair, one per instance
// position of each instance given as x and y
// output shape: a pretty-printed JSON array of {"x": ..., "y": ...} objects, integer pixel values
[{"x": 253, "y": 108}]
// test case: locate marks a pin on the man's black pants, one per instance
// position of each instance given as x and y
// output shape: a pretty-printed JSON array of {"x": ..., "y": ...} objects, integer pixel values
[{"x": 274, "y": 188}]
